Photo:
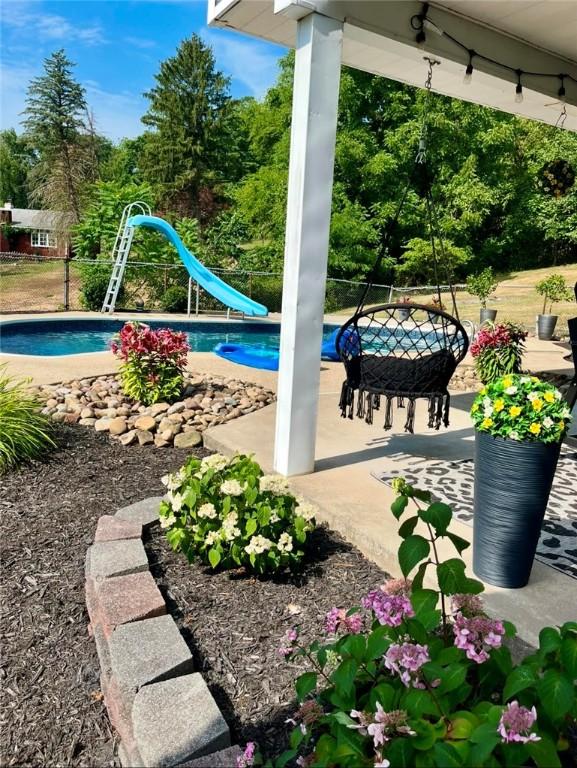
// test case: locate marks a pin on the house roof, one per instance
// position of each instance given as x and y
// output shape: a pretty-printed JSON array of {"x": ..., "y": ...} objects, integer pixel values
[{"x": 29, "y": 218}]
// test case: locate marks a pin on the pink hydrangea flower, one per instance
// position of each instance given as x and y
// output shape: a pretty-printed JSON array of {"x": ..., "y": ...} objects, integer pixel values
[
  {"x": 337, "y": 620},
  {"x": 382, "y": 726},
  {"x": 405, "y": 660},
  {"x": 247, "y": 758},
  {"x": 476, "y": 635},
  {"x": 390, "y": 610},
  {"x": 288, "y": 641},
  {"x": 397, "y": 587},
  {"x": 470, "y": 605},
  {"x": 516, "y": 723}
]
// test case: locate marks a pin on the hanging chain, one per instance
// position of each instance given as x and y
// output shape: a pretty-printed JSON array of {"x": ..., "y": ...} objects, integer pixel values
[
  {"x": 562, "y": 117},
  {"x": 421, "y": 154}
]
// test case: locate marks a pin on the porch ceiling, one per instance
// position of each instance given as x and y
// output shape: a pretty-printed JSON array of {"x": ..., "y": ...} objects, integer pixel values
[{"x": 531, "y": 35}]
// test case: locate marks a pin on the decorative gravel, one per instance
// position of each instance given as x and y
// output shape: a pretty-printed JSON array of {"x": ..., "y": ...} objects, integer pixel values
[
  {"x": 233, "y": 624},
  {"x": 51, "y": 710}
]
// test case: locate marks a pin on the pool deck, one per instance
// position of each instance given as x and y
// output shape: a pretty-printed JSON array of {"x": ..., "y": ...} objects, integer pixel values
[{"x": 350, "y": 499}]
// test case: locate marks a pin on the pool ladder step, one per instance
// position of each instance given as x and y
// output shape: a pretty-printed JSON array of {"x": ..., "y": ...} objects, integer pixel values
[{"x": 121, "y": 251}]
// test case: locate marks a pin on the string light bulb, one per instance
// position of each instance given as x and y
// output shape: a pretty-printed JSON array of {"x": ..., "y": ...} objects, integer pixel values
[
  {"x": 421, "y": 38},
  {"x": 432, "y": 27},
  {"x": 469, "y": 71},
  {"x": 519, "y": 88}
]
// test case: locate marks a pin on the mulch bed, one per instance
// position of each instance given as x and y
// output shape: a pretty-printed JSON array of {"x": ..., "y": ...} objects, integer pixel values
[
  {"x": 233, "y": 624},
  {"x": 51, "y": 710}
]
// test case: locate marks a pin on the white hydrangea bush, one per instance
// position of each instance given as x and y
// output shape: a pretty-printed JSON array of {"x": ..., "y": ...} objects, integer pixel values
[{"x": 228, "y": 514}]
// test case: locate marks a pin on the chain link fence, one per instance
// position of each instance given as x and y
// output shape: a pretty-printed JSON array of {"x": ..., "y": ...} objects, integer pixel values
[{"x": 38, "y": 284}]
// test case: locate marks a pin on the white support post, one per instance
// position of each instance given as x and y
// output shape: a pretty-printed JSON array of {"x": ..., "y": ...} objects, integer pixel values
[
  {"x": 312, "y": 151},
  {"x": 189, "y": 297}
]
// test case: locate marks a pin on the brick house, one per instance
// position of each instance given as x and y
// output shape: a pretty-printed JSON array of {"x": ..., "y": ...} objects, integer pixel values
[{"x": 34, "y": 232}]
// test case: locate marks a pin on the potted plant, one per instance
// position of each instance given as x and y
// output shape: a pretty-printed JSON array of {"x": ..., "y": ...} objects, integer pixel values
[
  {"x": 553, "y": 288},
  {"x": 404, "y": 310},
  {"x": 520, "y": 423},
  {"x": 498, "y": 350},
  {"x": 482, "y": 285},
  {"x": 436, "y": 305}
]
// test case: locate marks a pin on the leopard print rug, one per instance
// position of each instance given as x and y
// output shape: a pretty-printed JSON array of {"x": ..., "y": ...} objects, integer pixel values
[{"x": 452, "y": 483}]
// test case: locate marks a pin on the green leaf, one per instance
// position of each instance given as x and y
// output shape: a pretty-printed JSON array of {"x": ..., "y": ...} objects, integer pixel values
[
  {"x": 461, "y": 728},
  {"x": 459, "y": 543},
  {"x": 251, "y": 526},
  {"x": 399, "y": 505},
  {"x": 285, "y": 758},
  {"x": 377, "y": 643},
  {"x": 446, "y": 756},
  {"x": 569, "y": 656},
  {"x": 425, "y": 736},
  {"x": 401, "y": 754},
  {"x": 304, "y": 684},
  {"x": 452, "y": 578},
  {"x": 484, "y": 738},
  {"x": 557, "y": 694},
  {"x": 344, "y": 675},
  {"x": 438, "y": 515},
  {"x": 419, "y": 703},
  {"x": 419, "y": 577},
  {"x": 453, "y": 676},
  {"x": 544, "y": 752},
  {"x": 518, "y": 680},
  {"x": 408, "y": 526},
  {"x": 412, "y": 550},
  {"x": 213, "y": 557},
  {"x": 344, "y": 719},
  {"x": 549, "y": 639},
  {"x": 296, "y": 738},
  {"x": 355, "y": 646},
  {"x": 384, "y": 694},
  {"x": 424, "y": 600}
]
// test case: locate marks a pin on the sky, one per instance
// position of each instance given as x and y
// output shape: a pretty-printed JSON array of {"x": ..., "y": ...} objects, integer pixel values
[{"x": 118, "y": 46}]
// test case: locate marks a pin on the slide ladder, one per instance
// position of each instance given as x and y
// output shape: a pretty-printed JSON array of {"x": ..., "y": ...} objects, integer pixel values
[{"x": 120, "y": 251}]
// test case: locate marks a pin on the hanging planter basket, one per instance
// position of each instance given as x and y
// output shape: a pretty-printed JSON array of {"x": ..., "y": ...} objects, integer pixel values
[{"x": 556, "y": 178}]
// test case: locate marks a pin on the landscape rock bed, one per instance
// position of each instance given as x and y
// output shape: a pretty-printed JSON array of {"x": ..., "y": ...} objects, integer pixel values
[
  {"x": 233, "y": 624},
  {"x": 100, "y": 404},
  {"x": 465, "y": 379},
  {"x": 50, "y": 700}
]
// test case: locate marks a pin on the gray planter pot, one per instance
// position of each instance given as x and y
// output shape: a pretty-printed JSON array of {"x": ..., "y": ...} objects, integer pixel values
[
  {"x": 512, "y": 485},
  {"x": 403, "y": 314},
  {"x": 488, "y": 314},
  {"x": 546, "y": 326}
]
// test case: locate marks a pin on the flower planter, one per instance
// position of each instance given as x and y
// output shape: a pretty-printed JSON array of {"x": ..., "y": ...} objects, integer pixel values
[
  {"x": 488, "y": 314},
  {"x": 546, "y": 326},
  {"x": 512, "y": 485},
  {"x": 403, "y": 313}
]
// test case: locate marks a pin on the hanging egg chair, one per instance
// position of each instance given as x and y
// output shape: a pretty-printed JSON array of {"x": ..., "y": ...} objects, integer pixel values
[{"x": 403, "y": 354}]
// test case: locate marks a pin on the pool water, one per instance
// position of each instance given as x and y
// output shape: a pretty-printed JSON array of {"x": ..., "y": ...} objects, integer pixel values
[{"x": 48, "y": 338}]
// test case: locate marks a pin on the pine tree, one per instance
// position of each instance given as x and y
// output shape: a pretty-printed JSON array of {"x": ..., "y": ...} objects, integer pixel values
[
  {"x": 15, "y": 163},
  {"x": 55, "y": 127},
  {"x": 190, "y": 149}
]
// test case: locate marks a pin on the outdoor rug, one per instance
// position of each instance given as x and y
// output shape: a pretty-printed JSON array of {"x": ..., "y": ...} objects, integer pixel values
[{"x": 452, "y": 483}]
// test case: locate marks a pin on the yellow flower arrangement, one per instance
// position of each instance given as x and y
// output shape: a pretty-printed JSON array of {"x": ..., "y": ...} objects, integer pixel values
[{"x": 521, "y": 408}]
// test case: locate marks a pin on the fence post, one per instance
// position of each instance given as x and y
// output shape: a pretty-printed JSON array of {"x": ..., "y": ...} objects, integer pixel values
[
  {"x": 391, "y": 294},
  {"x": 197, "y": 298},
  {"x": 66, "y": 285},
  {"x": 189, "y": 297}
]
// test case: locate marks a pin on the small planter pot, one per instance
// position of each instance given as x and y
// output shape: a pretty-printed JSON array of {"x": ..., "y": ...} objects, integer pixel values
[
  {"x": 546, "y": 326},
  {"x": 512, "y": 485},
  {"x": 488, "y": 314},
  {"x": 403, "y": 314}
]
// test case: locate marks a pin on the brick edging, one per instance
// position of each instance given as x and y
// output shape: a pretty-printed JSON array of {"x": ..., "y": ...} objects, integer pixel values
[{"x": 161, "y": 709}]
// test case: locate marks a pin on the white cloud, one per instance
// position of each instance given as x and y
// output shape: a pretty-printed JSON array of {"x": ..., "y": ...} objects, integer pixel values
[
  {"x": 44, "y": 27},
  {"x": 140, "y": 42},
  {"x": 13, "y": 84},
  {"x": 246, "y": 60}
]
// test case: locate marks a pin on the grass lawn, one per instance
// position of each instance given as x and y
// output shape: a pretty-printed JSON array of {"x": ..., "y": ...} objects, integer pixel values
[{"x": 27, "y": 286}]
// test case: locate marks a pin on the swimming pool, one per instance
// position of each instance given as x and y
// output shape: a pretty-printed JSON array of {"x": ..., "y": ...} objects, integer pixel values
[{"x": 48, "y": 338}]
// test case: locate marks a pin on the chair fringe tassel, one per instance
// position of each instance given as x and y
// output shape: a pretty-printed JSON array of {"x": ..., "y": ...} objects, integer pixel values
[{"x": 368, "y": 403}]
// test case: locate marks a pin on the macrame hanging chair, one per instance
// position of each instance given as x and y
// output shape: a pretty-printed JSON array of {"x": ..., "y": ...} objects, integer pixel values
[{"x": 403, "y": 353}]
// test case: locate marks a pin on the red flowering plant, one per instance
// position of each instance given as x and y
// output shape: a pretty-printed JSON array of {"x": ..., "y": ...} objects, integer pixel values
[
  {"x": 498, "y": 350},
  {"x": 153, "y": 362},
  {"x": 420, "y": 675}
]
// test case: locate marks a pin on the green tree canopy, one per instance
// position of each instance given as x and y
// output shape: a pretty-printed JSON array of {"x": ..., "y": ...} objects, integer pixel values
[{"x": 16, "y": 160}]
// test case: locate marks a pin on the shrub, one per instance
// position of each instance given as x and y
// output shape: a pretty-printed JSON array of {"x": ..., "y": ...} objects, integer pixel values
[
  {"x": 522, "y": 408},
  {"x": 498, "y": 350},
  {"x": 422, "y": 677},
  {"x": 174, "y": 299},
  {"x": 25, "y": 433},
  {"x": 153, "y": 362},
  {"x": 227, "y": 513},
  {"x": 553, "y": 288},
  {"x": 94, "y": 284},
  {"x": 482, "y": 285}
]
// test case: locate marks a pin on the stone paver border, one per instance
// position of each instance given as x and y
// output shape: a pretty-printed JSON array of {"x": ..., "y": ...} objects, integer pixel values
[{"x": 160, "y": 708}]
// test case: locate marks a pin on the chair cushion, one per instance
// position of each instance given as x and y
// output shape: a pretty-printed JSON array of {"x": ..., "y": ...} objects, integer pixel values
[{"x": 398, "y": 375}]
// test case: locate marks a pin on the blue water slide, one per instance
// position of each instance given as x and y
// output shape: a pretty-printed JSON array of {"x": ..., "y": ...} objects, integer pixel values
[{"x": 198, "y": 272}]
